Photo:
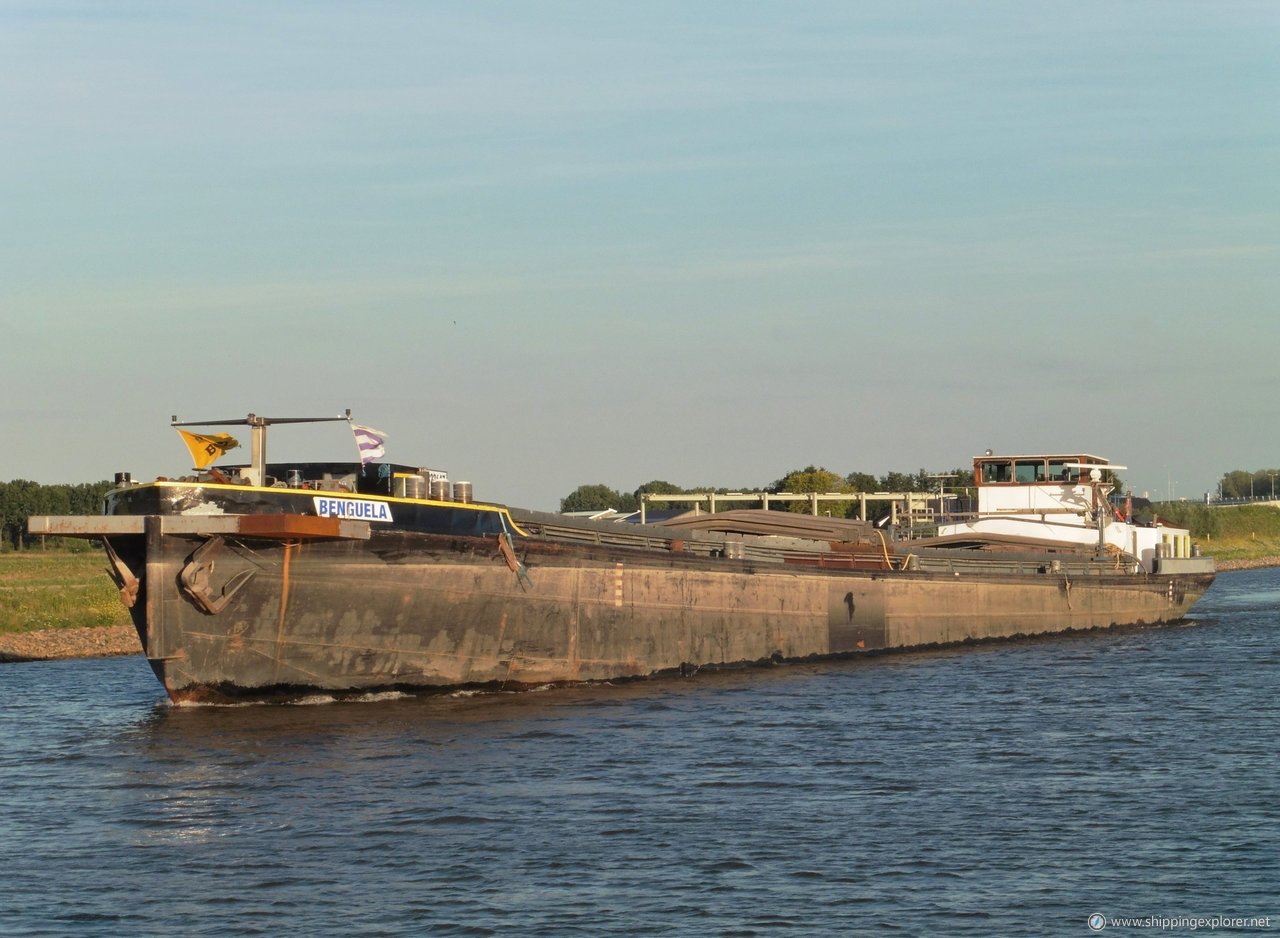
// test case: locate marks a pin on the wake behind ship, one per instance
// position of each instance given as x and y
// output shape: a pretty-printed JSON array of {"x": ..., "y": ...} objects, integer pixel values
[{"x": 276, "y": 579}]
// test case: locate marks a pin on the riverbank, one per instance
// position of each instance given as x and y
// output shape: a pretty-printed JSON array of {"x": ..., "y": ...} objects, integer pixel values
[
  {"x": 60, "y": 604},
  {"x": 50, "y": 644},
  {"x": 1252, "y": 563}
]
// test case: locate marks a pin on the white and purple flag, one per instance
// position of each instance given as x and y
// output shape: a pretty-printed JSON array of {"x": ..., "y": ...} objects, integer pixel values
[{"x": 369, "y": 441}]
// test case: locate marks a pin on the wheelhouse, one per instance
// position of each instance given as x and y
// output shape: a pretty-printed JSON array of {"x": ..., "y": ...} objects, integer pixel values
[{"x": 1061, "y": 469}]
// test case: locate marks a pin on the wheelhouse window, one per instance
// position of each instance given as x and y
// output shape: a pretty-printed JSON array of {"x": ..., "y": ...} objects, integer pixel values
[
  {"x": 1028, "y": 470},
  {"x": 1036, "y": 470},
  {"x": 996, "y": 471}
]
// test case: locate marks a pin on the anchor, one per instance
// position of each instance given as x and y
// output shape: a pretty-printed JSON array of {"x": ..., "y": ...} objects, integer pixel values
[
  {"x": 123, "y": 576},
  {"x": 195, "y": 578},
  {"x": 508, "y": 551}
]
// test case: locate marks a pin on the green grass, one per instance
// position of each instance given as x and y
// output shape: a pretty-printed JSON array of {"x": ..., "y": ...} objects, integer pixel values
[
  {"x": 1254, "y": 547},
  {"x": 1244, "y": 532},
  {"x": 56, "y": 590}
]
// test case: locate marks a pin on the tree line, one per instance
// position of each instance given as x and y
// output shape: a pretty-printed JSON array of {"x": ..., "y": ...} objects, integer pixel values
[
  {"x": 21, "y": 498},
  {"x": 1237, "y": 484},
  {"x": 1242, "y": 484}
]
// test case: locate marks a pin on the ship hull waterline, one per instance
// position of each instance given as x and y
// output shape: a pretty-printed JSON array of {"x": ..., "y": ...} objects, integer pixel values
[{"x": 434, "y": 612}]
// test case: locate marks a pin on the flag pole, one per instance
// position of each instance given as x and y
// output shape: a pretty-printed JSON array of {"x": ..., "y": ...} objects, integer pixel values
[{"x": 258, "y": 436}]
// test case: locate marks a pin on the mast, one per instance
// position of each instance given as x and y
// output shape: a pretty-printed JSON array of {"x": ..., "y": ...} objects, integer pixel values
[{"x": 257, "y": 472}]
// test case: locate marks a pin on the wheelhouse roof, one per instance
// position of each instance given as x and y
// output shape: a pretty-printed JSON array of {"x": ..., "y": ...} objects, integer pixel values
[{"x": 1078, "y": 457}]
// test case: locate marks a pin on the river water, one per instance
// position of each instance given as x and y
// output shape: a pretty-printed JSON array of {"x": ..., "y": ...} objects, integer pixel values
[{"x": 1004, "y": 789}]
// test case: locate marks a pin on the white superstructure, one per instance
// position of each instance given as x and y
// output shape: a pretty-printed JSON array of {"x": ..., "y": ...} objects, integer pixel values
[{"x": 1062, "y": 498}]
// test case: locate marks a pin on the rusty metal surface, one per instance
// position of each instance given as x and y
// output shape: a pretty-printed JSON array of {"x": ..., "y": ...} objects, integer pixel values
[
  {"x": 84, "y": 525},
  {"x": 278, "y": 526},
  {"x": 196, "y": 578},
  {"x": 422, "y": 611},
  {"x": 124, "y": 578},
  {"x": 291, "y": 526},
  {"x": 776, "y": 523}
]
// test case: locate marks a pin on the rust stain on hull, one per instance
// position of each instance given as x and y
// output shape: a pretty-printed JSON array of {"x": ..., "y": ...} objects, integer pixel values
[{"x": 429, "y": 612}]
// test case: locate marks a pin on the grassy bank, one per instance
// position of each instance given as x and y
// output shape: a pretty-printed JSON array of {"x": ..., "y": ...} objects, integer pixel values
[
  {"x": 57, "y": 590},
  {"x": 1240, "y": 535},
  {"x": 1237, "y": 551}
]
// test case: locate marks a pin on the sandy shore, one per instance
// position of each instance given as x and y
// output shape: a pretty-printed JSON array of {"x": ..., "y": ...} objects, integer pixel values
[
  {"x": 48, "y": 644},
  {"x": 1225, "y": 565}
]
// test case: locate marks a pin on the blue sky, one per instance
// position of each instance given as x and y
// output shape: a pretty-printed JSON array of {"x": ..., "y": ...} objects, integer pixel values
[{"x": 546, "y": 244}]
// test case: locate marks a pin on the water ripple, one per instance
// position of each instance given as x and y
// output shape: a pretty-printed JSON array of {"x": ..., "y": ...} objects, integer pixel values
[{"x": 1000, "y": 789}]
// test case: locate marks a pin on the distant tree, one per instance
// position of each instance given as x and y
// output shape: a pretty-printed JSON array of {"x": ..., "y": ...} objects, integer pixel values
[
  {"x": 1264, "y": 483},
  {"x": 1239, "y": 483},
  {"x": 861, "y": 482},
  {"x": 963, "y": 488},
  {"x": 19, "y": 499},
  {"x": 658, "y": 487},
  {"x": 22, "y": 498},
  {"x": 950, "y": 480},
  {"x": 1235, "y": 484},
  {"x": 86, "y": 498},
  {"x": 814, "y": 479},
  {"x": 722, "y": 490},
  {"x": 597, "y": 498},
  {"x": 897, "y": 482}
]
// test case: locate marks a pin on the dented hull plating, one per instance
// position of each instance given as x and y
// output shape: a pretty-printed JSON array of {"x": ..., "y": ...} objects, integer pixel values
[{"x": 436, "y": 611}]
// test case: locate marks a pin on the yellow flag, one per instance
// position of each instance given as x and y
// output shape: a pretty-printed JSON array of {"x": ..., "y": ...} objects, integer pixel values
[{"x": 206, "y": 447}]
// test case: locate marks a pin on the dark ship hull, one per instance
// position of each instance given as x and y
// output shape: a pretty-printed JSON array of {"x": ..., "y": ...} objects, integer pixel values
[{"x": 251, "y": 592}]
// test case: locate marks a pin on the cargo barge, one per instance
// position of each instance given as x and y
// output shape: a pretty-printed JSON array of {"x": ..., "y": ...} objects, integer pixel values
[{"x": 279, "y": 579}]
